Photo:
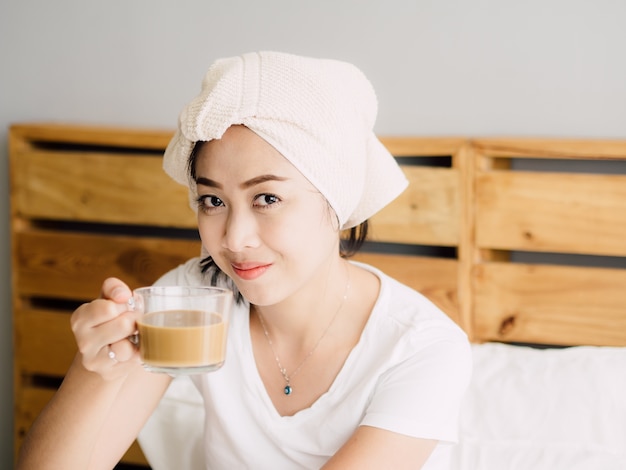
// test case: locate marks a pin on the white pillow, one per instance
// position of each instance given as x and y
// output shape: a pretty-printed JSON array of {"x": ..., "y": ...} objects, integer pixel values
[{"x": 546, "y": 409}]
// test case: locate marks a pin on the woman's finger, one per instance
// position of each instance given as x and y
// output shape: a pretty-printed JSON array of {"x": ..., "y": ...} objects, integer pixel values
[
  {"x": 116, "y": 290},
  {"x": 122, "y": 351}
]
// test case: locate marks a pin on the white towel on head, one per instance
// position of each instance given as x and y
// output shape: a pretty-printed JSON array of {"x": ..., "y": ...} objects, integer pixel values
[{"x": 318, "y": 113}]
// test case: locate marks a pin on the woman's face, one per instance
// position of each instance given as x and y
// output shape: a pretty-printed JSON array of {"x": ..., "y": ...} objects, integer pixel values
[{"x": 261, "y": 221}]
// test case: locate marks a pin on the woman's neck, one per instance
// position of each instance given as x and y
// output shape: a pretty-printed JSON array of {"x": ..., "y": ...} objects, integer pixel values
[{"x": 302, "y": 317}]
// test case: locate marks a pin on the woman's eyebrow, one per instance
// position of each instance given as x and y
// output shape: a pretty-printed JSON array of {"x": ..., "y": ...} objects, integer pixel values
[
  {"x": 261, "y": 179},
  {"x": 203, "y": 181}
]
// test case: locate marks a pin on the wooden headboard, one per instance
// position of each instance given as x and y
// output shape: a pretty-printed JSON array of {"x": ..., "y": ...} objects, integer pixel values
[
  {"x": 518, "y": 240},
  {"x": 537, "y": 229}
]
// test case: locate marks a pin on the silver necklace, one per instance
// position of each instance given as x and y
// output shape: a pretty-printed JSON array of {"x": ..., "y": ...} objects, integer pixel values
[{"x": 288, "y": 389}]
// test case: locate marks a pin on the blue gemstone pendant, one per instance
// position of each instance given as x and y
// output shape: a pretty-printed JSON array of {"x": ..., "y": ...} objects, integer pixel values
[{"x": 287, "y": 390}]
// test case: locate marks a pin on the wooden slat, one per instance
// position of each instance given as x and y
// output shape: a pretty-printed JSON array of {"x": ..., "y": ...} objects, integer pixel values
[
  {"x": 32, "y": 401},
  {"x": 156, "y": 139},
  {"x": 557, "y": 212},
  {"x": 113, "y": 136},
  {"x": 550, "y": 304},
  {"x": 135, "y": 456},
  {"x": 436, "y": 278},
  {"x": 73, "y": 265},
  {"x": 427, "y": 213},
  {"x": 98, "y": 187},
  {"x": 44, "y": 342},
  {"x": 422, "y": 146},
  {"x": 551, "y": 148},
  {"x": 467, "y": 254}
]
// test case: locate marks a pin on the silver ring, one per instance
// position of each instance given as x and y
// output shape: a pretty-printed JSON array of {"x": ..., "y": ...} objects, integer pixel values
[{"x": 111, "y": 354}]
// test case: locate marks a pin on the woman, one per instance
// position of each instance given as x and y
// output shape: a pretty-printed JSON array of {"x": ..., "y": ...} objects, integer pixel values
[{"x": 330, "y": 363}]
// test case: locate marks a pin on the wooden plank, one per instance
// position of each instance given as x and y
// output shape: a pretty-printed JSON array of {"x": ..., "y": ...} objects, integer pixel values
[
  {"x": 157, "y": 139},
  {"x": 467, "y": 254},
  {"x": 71, "y": 265},
  {"x": 44, "y": 342},
  {"x": 427, "y": 213},
  {"x": 25, "y": 135},
  {"x": 436, "y": 278},
  {"x": 551, "y": 148},
  {"x": 550, "y": 304},
  {"x": 98, "y": 187},
  {"x": 422, "y": 146},
  {"x": 135, "y": 456},
  {"x": 29, "y": 405},
  {"x": 552, "y": 212}
]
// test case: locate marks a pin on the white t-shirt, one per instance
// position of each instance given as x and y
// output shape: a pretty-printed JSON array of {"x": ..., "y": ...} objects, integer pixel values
[{"x": 407, "y": 374}]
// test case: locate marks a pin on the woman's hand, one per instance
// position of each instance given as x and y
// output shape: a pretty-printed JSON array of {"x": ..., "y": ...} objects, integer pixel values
[
  {"x": 104, "y": 399},
  {"x": 102, "y": 328}
]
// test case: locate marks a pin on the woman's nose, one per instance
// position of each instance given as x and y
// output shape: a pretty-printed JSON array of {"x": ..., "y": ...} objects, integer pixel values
[{"x": 240, "y": 232}]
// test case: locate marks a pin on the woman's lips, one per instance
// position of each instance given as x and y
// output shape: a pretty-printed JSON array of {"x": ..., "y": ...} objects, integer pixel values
[{"x": 250, "y": 271}]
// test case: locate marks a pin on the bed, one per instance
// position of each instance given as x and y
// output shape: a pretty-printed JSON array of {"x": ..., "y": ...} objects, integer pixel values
[{"x": 522, "y": 242}]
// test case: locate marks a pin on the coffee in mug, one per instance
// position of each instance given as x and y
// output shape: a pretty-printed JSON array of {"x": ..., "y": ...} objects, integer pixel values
[{"x": 183, "y": 330}]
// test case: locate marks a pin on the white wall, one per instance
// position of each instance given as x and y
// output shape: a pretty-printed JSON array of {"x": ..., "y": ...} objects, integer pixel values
[{"x": 459, "y": 67}]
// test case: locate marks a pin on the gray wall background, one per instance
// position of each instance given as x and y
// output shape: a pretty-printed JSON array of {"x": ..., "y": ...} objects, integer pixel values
[{"x": 552, "y": 68}]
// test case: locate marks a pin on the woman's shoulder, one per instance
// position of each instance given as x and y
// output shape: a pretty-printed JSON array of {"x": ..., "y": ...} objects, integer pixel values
[
  {"x": 188, "y": 273},
  {"x": 401, "y": 308},
  {"x": 409, "y": 337}
]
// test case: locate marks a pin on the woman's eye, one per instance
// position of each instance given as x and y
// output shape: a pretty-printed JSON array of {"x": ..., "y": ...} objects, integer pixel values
[
  {"x": 209, "y": 202},
  {"x": 266, "y": 200}
]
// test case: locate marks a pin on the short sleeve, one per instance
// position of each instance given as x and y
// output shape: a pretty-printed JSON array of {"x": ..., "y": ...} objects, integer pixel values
[
  {"x": 188, "y": 273},
  {"x": 422, "y": 395}
]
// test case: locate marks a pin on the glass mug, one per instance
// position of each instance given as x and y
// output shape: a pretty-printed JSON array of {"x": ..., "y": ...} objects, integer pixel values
[{"x": 182, "y": 329}]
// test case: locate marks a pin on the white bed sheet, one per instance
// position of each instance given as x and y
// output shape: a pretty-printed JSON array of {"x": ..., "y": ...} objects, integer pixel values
[
  {"x": 546, "y": 409},
  {"x": 526, "y": 409}
]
